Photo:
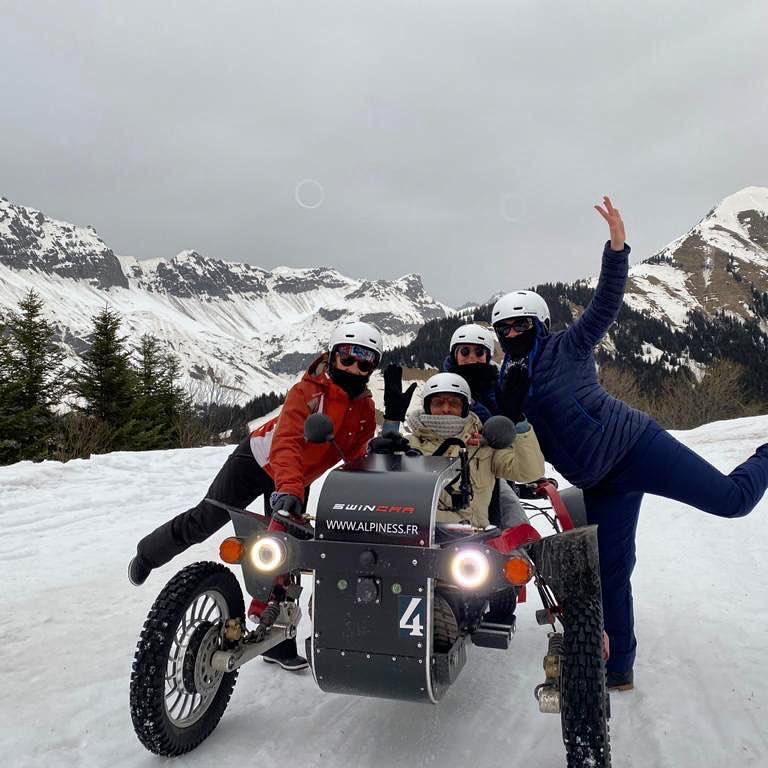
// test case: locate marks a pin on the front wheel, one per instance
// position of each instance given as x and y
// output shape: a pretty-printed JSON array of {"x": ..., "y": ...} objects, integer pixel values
[{"x": 177, "y": 697}]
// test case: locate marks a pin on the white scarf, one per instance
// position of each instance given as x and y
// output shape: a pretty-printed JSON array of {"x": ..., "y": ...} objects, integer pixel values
[{"x": 443, "y": 426}]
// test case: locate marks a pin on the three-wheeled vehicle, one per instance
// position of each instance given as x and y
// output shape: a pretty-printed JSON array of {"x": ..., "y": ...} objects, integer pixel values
[{"x": 397, "y": 601}]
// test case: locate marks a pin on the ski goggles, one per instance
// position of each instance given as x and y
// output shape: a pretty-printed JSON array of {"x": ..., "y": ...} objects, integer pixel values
[
  {"x": 349, "y": 354},
  {"x": 518, "y": 324},
  {"x": 465, "y": 350}
]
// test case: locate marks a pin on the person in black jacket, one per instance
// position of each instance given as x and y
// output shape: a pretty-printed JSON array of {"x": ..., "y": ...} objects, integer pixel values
[{"x": 615, "y": 453}]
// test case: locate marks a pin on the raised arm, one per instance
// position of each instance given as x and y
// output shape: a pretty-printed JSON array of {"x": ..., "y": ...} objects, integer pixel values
[{"x": 604, "y": 308}]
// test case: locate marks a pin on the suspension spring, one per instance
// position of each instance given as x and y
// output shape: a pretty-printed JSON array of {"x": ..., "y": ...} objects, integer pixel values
[
  {"x": 556, "y": 644},
  {"x": 266, "y": 620}
]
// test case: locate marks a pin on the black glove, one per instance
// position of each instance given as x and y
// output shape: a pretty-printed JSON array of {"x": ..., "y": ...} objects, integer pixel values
[
  {"x": 514, "y": 390},
  {"x": 396, "y": 401},
  {"x": 391, "y": 443},
  {"x": 286, "y": 504}
]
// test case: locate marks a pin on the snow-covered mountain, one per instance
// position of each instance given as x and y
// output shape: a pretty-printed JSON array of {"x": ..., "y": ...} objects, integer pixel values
[
  {"x": 718, "y": 265},
  {"x": 249, "y": 328}
]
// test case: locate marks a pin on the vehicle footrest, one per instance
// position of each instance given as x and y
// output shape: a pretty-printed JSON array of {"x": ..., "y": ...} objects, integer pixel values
[{"x": 491, "y": 635}]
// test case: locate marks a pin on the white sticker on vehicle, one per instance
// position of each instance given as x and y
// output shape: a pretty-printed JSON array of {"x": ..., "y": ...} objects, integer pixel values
[{"x": 412, "y": 616}]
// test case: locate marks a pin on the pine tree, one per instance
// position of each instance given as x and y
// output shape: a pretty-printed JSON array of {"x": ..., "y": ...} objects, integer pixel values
[
  {"x": 30, "y": 376},
  {"x": 159, "y": 404},
  {"x": 106, "y": 382}
]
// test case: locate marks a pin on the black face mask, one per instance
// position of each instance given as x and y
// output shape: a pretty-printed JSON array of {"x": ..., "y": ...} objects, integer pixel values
[
  {"x": 480, "y": 376},
  {"x": 519, "y": 346},
  {"x": 351, "y": 383}
]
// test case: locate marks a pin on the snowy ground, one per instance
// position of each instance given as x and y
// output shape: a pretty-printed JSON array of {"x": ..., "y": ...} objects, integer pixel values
[{"x": 70, "y": 621}]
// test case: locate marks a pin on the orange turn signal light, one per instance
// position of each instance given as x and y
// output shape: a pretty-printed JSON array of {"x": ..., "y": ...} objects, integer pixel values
[
  {"x": 518, "y": 570},
  {"x": 231, "y": 550}
]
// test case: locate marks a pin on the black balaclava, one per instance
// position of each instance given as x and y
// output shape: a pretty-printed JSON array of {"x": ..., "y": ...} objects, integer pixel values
[
  {"x": 480, "y": 376},
  {"x": 520, "y": 345},
  {"x": 514, "y": 388},
  {"x": 352, "y": 383}
]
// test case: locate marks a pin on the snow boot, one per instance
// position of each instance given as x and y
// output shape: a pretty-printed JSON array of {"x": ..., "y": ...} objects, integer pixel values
[
  {"x": 138, "y": 570},
  {"x": 286, "y": 655},
  {"x": 620, "y": 681}
]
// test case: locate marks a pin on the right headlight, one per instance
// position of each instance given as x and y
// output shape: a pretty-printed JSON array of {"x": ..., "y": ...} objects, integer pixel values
[{"x": 470, "y": 568}]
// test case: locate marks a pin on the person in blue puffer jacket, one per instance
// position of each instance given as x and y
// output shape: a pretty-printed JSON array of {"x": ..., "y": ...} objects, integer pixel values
[{"x": 613, "y": 452}]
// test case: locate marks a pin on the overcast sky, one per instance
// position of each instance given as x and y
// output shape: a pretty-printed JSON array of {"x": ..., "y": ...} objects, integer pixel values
[{"x": 466, "y": 141}]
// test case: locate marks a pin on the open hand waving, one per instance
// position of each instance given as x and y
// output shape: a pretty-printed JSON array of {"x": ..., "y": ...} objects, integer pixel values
[{"x": 615, "y": 224}]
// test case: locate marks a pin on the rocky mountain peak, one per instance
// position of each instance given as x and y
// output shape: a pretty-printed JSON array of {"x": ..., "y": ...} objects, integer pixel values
[
  {"x": 29, "y": 240},
  {"x": 719, "y": 265}
]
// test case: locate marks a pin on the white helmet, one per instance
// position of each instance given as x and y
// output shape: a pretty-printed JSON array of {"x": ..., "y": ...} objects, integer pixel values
[
  {"x": 447, "y": 383},
  {"x": 473, "y": 334},
  {"x": 362, "y": 334},
  {"x": 520, "y": 304}
]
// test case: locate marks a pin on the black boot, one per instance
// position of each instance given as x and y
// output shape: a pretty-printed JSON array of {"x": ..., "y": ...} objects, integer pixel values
[
  {"x": 620, "y": 681},
  {"x": 138, "y": 570},
  {"x": 286, "y": 655}
]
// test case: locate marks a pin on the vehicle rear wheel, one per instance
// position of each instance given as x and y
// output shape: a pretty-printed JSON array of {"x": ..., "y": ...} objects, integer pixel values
[
  {"x": 584, "y": 704},
  {"x": 177, "y": 697}
]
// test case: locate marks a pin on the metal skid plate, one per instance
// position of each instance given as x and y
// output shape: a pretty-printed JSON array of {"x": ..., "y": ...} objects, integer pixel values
[{"x": 366, "y": 674}]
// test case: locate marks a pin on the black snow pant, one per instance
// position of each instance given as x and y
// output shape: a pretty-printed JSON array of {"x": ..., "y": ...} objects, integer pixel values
[
  {"x": 238, "y": 483},
  {"x": 661, "y": 465}
]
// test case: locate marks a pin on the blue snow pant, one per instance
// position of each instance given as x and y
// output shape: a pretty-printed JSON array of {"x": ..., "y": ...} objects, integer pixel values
[{"x": 663, "y": 466}]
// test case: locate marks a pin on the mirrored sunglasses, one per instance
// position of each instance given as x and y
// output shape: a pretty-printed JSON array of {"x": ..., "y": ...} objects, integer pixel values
[{"x": 349, "y": 354}]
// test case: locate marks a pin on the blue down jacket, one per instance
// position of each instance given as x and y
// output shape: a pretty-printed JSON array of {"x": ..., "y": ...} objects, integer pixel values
[{"x": 582, "y": 430}]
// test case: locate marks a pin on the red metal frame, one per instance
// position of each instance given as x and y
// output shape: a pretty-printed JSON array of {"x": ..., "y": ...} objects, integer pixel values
[{"x": 545, "y": 489}]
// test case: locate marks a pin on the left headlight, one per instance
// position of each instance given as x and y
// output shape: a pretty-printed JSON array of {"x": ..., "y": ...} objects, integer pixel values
[
  {"x": 470, "y": 568},
  {"x": 267, "y": 554}
]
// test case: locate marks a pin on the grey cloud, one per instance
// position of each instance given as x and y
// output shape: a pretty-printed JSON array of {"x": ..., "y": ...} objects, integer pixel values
[{"x": 463, "y": 140}]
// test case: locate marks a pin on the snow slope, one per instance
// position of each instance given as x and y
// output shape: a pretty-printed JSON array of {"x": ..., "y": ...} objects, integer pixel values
[{"x": 70, "y": 620}]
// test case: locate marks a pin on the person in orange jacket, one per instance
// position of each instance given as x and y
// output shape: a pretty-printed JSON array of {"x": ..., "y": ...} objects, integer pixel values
[{"x": 275, "y": 460}]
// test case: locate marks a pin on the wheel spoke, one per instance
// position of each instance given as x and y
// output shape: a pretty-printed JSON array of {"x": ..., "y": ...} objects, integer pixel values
[
  {"x": 211, "y": 610},
  {"x": 194, "y": 607},
  {"x": 171, "y": 674},
  {"x": 188, "y": 697},
  {"x": 189, "y": 702},
  {"x": 179, "y": 696},
  {"x": 204, "y": 606}
]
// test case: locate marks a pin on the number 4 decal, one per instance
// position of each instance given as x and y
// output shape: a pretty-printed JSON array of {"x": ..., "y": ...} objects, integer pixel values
[{"x": 412, "y": 616}]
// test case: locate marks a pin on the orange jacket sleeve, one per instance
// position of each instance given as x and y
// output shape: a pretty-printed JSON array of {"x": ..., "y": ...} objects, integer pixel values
[{"x": 286, "y": 456}]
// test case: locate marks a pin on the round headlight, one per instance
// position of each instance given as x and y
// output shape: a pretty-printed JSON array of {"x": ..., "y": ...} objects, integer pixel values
[
  {"x": 470, "y": 569},
  {"x": 267, "y": 554}
]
